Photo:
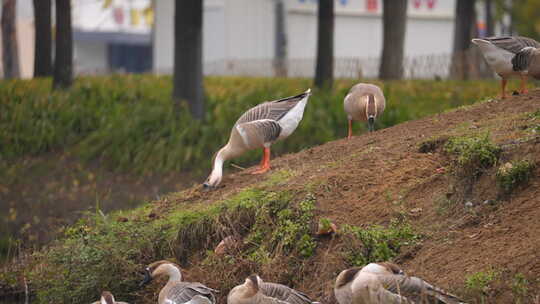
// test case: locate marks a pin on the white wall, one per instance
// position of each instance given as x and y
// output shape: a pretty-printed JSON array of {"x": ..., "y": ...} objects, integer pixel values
[{"x": 90, "y": 57}]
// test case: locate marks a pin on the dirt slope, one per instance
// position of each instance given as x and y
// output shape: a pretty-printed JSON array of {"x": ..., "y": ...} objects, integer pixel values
[{"x": 378, "y": 176}]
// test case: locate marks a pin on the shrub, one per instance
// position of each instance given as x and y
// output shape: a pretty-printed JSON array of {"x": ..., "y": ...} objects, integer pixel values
[
  {"x": 472, "y": 154},
  {"x": 377, "y": 243},
  {"x": 478, "y": 284},
  {"x": 513, "y": 174}
]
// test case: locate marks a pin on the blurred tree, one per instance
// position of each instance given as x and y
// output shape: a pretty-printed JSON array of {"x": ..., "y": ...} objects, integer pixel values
[
  {"x": 10, "y": 52},
  {"x": 463, "y": 33},
  {"x": 63, "y": 62},
  {"x": 489, "y": 18},
  {"x": 188, "y": 35},
  {"x": 42, "y": 50},
  {"x": 324, "y": 71},
  {"x": 394, "y": 25},
  {"x": 526, "y": 18},
  {"x": 280, "y": 55}
]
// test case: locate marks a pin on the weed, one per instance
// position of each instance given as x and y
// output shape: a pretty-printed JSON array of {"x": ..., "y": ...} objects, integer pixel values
[
  {"x": 377, "y": 243},
  {"x": 473, "y": 154},
  {"x": 478, "y": 284},
  {"x": 513, "y": 174},
  {"x": 520, "y": 288}
]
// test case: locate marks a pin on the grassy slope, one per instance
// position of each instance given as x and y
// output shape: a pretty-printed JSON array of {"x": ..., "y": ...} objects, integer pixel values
[
  {"x": 62, "y": 153},
  {"x": 484, "y": 251}
]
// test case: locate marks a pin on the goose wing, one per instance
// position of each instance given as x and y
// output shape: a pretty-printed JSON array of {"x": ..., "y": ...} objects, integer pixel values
[
  {"x": 258, "y": 132},
  {"x": 284, "y": 293},
  {"x": 273, "y": 110},
  {"x": 417, "y": 289},
  {"x": 513, "y": 44},
  {"x": 184, "y": 292}
]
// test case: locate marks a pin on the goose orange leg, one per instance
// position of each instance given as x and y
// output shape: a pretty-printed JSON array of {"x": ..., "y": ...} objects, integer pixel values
[
  {"x": 265, "y": 163},
  {"x": 503, "y": 87},
  {"x": 350, "y": 129},
  {"x": 524, "y": 84}
]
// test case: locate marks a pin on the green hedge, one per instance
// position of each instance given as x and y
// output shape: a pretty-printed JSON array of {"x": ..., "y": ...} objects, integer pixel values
[{"x": 128, "y": 121}]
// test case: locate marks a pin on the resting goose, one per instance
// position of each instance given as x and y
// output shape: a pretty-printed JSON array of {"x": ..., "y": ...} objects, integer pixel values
[
  {"x": 260, "y": 127},
  {"x": 255, "y": 291},
  {"x": 107, "y": 298},
  {"x": 176, "y": 291},
  {"x": 382, "y": 283},
  {"x": 365, "y": 102},
  {"x": 511, "y": 55}
]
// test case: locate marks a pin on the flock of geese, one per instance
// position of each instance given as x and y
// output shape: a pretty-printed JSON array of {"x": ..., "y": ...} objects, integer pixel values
[
  {"x": 268, "y": 122},
  {"x": 375, "y": 283}
]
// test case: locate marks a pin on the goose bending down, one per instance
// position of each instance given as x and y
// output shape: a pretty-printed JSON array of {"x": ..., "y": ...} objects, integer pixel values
[
  {"x": 255, "y": 291},
  {"x": 511, "y": 55},
  {"x": 365, "y": 102},
  {"x": 260, "y": 127},
  {"x": 107, "y": 298},
  {"x": 385, "y": 283},
  {"x": 176, "y": 291}
]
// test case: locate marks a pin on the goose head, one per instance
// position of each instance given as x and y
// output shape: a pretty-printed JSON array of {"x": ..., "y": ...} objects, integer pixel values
[
  {"x": 160, "y": 268},
  {"x": 371, "y": 112},
  {"x": 106, "y": 298},
  {"x": 252, "y": 284},
  {"x": 214, "y": 179}
]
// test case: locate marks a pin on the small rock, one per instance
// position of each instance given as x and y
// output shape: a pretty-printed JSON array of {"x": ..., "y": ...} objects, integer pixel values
[
  {"x": 468, "y": 204},
  {"x": 227, "y": 245},
  {"x": 489, "y": 202},
  {"x": 415, "y": 211},
  {"x": 122, "y": 219},
  {"x": 326, "y": 230}
]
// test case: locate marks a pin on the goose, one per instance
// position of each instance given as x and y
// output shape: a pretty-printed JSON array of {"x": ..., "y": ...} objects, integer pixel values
[
  {"x": 176, "y": 291},
  {"x": 378, "y": 283},
  {"x": 260, "y": 127},
  {"x": 255, "y": 291},
  {"x": 511, "y": 55},
  {"x": 365, "y": 102},
  {"x": 107, "y": 298}
]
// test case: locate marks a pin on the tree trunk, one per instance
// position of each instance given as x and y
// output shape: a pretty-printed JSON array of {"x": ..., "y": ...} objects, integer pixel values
[
  {"x": 10, "y": 52},
  {"x": 42, "y": 50},
  {"x": 324, "y": 71},
  {"x": 188, "y": 74},
  {"x": 394, "y": 26},
  {"x": 63, "y": 62},
  {"x": 490, "y": 24},
  {"x": 280, "y": 59},
  {"x": 462, "y": 38}
]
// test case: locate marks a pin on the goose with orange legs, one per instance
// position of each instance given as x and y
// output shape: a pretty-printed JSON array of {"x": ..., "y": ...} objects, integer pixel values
[
  {"x": 365, "y": 102},
  {"x": 259, "y": 127},
  {"x": 511, "y": 56}
]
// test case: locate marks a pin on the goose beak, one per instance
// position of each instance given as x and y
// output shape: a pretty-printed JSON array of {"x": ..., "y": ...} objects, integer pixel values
[
  {"x": 207, "y": 187},
  {"x": 147, "y": 278},
  {"x": 371, "y": 124}
]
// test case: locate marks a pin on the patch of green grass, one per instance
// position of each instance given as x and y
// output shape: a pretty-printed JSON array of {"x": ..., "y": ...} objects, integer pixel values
[
  {"x": 478, "y": 284},
  {"x": 520, "y": 288},
  {"x": 472, "y": 154},
  {"x": 107, "y": 252},
  {"x": 279, "y": 177},
  {"x": 377, "y": 243},
  {"x": 513, "y": 174}
]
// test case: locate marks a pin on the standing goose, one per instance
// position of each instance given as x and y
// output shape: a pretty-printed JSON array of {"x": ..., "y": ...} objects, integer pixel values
[
  {"x": 260, "y": 127},
  {"x": 255, "y": 291},
  {"x": 511, "y": 55},
  {"x": 365, "y": 102},
  {"x": 107, "y": 298},
  {"x": 176, "y": 291},
  {"x": 385, "y": 283}
]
